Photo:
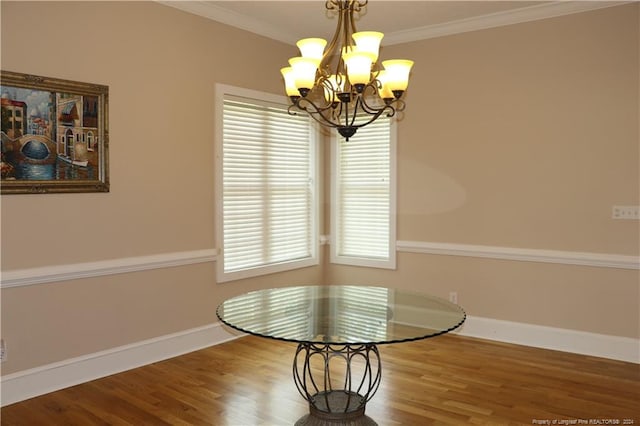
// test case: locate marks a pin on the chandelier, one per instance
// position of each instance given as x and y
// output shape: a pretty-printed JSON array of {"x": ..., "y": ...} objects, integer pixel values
[{"x": 344, "y": 87}]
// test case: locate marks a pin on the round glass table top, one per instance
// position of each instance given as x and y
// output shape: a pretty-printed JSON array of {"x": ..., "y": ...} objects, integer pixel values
[{"x": 340, "y": 314}]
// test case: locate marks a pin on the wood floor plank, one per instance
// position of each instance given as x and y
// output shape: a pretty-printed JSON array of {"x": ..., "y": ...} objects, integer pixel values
[{"x": 448, "y": 380}]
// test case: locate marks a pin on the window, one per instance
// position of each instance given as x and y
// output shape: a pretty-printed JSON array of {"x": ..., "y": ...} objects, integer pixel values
[
  {"x": 266, "y": 185},
  {"x": 363, "y": 197}
]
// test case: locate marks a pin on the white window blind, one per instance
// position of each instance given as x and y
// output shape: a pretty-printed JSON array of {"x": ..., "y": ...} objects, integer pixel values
[
  {"x": 363, "y": 219},
  {"x": 268, "y": 217}
]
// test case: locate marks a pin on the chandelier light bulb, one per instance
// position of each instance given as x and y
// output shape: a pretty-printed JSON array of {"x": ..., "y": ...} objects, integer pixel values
[
  {"x": 368, "y": 41},
  {"x": 358, "y": 67},
  {"x": 384, "y": 91},
  {"x": 304, "y": 73},
  {"x": 398, "y": 73},
  {"x": 312, "y": 47},
  {"x": 289, "y": 81}
]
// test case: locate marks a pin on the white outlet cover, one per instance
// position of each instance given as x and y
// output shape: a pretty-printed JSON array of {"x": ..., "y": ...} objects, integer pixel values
[{"x": 626, "y": 212}]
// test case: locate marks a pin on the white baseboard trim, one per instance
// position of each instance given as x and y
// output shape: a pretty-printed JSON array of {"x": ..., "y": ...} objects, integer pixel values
[
  {"x": 37, "y": 381},
  {"x": 41, "y": 380},
  {"x": 560, "y": 339},
  {"x": 601, "y": 260}
]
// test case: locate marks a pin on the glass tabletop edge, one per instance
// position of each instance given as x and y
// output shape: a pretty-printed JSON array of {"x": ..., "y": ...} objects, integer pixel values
[{"x": 342, "y": 343}]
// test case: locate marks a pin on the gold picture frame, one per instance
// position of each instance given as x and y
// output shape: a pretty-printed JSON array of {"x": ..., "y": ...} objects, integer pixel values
[{"x": 55, "y": 135}]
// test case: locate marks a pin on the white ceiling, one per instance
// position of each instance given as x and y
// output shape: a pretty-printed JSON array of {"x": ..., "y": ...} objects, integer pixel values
[{"x": 401, "y": 21}]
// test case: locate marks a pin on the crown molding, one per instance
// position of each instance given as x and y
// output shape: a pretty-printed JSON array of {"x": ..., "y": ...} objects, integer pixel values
[
  {"x": 234, "y": 19},
  {"x": 498, "y": 19},
  {"x": 492, "y": 20}
]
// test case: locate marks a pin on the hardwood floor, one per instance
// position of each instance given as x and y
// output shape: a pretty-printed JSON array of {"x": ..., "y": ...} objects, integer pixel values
[{"x": 448, "y": 380}]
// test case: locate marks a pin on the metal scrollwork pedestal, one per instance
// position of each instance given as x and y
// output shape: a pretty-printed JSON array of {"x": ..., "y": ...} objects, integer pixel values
[{"x": 337, "y": 381}]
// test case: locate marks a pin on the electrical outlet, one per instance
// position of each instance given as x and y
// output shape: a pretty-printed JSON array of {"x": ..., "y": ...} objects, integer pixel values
[
  {"x": 3, "y": 351},
  {"x": 626, "y": 212},
  {"x": 453, "y": 297}
]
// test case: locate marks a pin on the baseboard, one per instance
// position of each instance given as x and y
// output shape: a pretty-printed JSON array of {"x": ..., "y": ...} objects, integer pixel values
[
  {"x": 49, "y": 378},
  {"x": 560, "y": 339},
  {"x": 52, "y": 377}
]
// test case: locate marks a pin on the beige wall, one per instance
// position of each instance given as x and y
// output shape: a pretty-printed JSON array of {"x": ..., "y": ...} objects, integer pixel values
[
  {"x": 525, "y": 135},
  {"x": 161, "y": 66},
  {"x": 521, "y": 136}
]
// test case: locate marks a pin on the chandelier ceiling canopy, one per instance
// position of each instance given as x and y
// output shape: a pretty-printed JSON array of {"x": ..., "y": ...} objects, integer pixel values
[{"x": 343, "y": 86}]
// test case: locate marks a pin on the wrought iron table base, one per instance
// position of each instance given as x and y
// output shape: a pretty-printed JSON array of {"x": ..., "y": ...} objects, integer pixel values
[{"x": 337, "y": 400}]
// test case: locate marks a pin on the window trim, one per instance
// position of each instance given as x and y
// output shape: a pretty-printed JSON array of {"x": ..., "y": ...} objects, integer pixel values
[
  {"x": 221, "y": 276},
  {"x": 334, "y": 257}
]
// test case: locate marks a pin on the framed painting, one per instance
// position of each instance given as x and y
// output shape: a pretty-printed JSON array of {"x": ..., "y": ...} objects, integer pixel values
[{"x": 55, "y": 135}]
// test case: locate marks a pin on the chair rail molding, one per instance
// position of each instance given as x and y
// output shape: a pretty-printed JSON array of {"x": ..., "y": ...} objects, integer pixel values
[
  {"x": 601, "y": 260},
  {"x": 49, "y": 274},
  {"x": 55, "y": 273}
]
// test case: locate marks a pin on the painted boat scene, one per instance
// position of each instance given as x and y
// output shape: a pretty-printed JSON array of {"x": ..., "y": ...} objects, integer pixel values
[{"x": 48, "y": 135}]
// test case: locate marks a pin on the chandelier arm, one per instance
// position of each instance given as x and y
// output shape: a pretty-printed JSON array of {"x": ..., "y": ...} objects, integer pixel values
[
  {"x": 326, "y": 85},
  {"x": 299, "y": 104},
  {"x": 400, "y": 105},
  {"x": 337, "y": 113},
  {"x": 291, "y": 110},
  {"x": 325, "y": 121},
  {"x": 371, "y": 120},
  {"x": 359, "y": 4},
  {"x": 370, "y": 109},
  {"x": 355, "y": 112},
  {"x": 314, "y": 111}
]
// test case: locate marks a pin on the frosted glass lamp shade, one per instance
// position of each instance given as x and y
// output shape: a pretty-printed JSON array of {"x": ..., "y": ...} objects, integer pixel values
[
  {"x": 384, "y": 91},
  {"x": 289, "y": 81},
  {"x": 398, "y": 73},
  {"x": 304, "y": 72},
  {"x": 358, "y": 67},
  {"x": 312, "y": 47},
  {"x": 368, "y": 41}
]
